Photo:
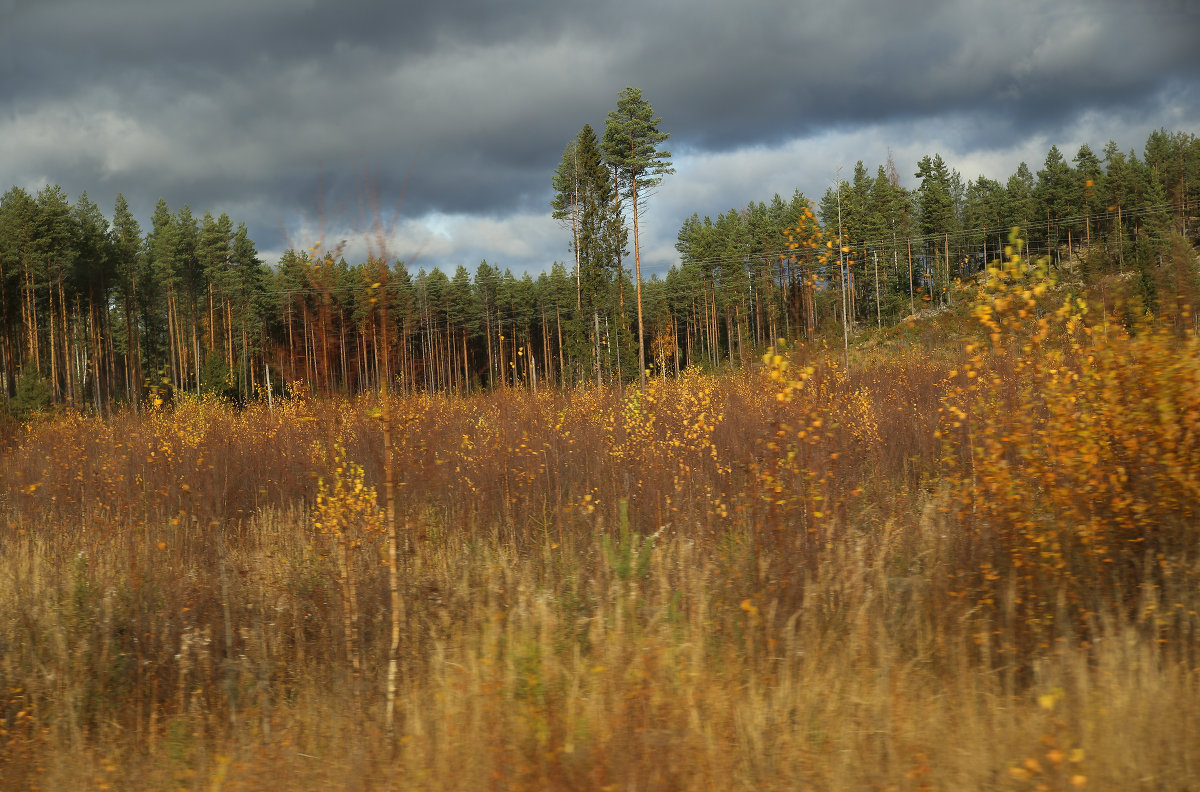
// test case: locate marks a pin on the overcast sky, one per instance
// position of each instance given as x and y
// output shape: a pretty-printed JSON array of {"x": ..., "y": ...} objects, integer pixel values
[{"x": 450, "y": 117}]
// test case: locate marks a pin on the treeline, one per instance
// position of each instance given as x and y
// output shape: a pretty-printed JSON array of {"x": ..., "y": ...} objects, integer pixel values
[
  {"x": 92, "y": 312},
  {"x": 873, "y": 251},
  {"x": 96, "y": 312}
]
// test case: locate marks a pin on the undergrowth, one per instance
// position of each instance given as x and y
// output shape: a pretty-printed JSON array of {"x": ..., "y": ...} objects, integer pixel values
[{"x": 973, "y": 569}]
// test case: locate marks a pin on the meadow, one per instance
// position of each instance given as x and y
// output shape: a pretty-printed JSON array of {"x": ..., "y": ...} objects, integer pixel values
[{"x": 968, "y": 561}]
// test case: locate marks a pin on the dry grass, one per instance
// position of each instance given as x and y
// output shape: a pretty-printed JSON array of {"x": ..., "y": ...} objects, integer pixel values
[{"x": 728, "y": 581}]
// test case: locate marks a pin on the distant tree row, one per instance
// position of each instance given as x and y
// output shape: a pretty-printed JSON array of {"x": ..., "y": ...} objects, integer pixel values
[
  {"x": 874, "y": 251},
  {"x": 92, "y": 312},
  {"x": 96, "y": 312}
]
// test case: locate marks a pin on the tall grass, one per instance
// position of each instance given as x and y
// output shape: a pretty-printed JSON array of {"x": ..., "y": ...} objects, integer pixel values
[{"x": 797, "y": 577}]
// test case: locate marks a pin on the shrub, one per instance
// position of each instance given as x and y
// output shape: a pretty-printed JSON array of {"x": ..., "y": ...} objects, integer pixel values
[{"x": 33, "y": 395}]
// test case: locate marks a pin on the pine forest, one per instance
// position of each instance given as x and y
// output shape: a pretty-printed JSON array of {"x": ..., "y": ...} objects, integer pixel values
[{"x": 99, "y": 313}]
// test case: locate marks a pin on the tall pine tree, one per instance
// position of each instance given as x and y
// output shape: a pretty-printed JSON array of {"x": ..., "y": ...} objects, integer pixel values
[{"x": 632, "y": 141}]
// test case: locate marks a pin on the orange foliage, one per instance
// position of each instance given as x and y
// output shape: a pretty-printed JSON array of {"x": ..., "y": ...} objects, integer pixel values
[{"x": 1073, "y": 457}]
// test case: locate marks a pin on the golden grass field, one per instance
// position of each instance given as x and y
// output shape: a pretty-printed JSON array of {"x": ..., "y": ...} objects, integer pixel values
[{"x": 961, "y": 565}]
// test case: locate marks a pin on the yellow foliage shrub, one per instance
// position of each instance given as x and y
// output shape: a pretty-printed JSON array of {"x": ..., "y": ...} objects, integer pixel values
[{"x": 1073, "y": 457}]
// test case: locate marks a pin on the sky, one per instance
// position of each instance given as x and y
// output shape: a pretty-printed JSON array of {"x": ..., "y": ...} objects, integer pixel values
[{"x": 434, "y": 129}]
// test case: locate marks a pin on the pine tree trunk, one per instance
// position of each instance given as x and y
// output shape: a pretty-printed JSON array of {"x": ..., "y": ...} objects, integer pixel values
[
  {"x": 487, "y": 333},
  {"x": 912, "y": 305},
  {"x": 500, "y": 341},
  {"x": 342, "y": 344},
  {"x": 637, "y": 264},
  {"x": 54, "y": 392},
  {"x": 196, "y": 355},
  {"x": 947, "y": 251},
  {"x": 307, "y": 357},
  {"x": 596, "y": 345},
  {"x": 212, "y": 320},
  {"x": 94, "y": 340},
  {"x": 138, "y": 370},
  {"x": 326, "y": 374},
  {"x": 129, "y": 341},
  {"x": 562, "y": 365},
  {"x": 67, "y": 344},
  {"x": 675, "y": 342},
  {"x": 291, "y": 345}
]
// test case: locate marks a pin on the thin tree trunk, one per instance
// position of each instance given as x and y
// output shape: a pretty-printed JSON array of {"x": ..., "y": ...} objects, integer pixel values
[
  {"x": 129, "y": 341},
  {"x": 307, "y": 358},
  {"x": 212, "y": 320},
  {"x": 54, "y": 392},
  {"x": 675, "y": 328},
  {"x": 29, "y": 314},
  {"x": 379, "y": 383},
  {"x": 912, "y": 305},
  {"x": 596, "y": 345},
  {"x": 342, "y": 343},
  {"x": 742, "y": 358},
  {"x": 947, "y": 249},
  {"x": 138, "y": 371},
  {"x": 291, "y": 344},
  {"x": 227, "y": 320},
  {"x": 327, "y": 376},
  {"x": 500, "y": 341},
  {"x": 67, "y": 344},
  {"x": 637, "y": 263},
  {"x": 487, "y": 333},
  {"x": 196, "y": 355},
  {"x": 93, "y": 336},
  {"x": 878, "y": 308},
  {"x": 397, "y": 604},
  {"x": 562, "y": 366}
]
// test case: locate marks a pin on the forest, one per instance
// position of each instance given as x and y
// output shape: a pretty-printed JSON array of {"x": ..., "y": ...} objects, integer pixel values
[{"x": 99, "y": 312}]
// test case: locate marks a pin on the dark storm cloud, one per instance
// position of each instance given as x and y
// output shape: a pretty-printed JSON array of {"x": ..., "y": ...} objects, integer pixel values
[
  {"x": 1017, "y": 64},
  {"x": 464, "y": 108}
]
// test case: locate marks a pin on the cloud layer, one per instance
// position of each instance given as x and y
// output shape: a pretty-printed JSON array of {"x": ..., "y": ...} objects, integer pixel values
[{"x": 455, "y": 114}]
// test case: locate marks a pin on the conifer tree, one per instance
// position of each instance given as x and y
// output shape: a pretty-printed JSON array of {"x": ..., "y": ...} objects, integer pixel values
[
  {"x": 18, "y": 215},
  {"x": 1087, "y": 200},
  {"x": 565, "y": 205},
  {"x": 1053, "y": 194},
  {"x": 600, "y": 242},
  {"x": 55, "y": 251},
  {"x": 1020, "y": 208},
  {"x": 632, "y": 143},
  {"x": 127, "y": 254},
  {"x": 93, "y": 278}
]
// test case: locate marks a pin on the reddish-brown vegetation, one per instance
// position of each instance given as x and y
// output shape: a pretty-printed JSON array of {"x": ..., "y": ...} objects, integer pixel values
[{"x": 970, "y": 568}]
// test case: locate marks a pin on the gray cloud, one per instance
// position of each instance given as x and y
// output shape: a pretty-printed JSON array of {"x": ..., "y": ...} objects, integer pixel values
[{"x": 460, "y": 110}]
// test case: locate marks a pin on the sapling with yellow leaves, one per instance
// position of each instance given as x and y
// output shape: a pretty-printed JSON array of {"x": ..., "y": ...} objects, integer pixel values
[
  {"x": 348, "y": 513},
  {"x": 1071, "y": 454}
]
